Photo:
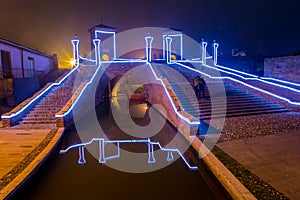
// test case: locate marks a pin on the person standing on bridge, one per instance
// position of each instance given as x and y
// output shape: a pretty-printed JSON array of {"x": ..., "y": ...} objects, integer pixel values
[
  {"x": 195, "y": 85},
  {"x": 201, "y": 86}
]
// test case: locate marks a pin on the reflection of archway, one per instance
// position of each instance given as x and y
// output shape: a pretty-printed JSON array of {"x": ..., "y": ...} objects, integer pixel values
[
  {"x": 123, "y": 88},
  {"x": 114, "y": 85}
]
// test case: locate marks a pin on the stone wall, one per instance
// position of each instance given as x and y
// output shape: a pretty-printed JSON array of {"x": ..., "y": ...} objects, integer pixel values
[{"x": 287, "y": 68}]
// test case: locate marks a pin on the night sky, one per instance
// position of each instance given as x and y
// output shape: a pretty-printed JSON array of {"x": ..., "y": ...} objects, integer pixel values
[{"x": 49, "y": 25}]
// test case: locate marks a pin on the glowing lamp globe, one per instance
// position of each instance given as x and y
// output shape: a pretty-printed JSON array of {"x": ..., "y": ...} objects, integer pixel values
[{"x": 105, "y": 57}]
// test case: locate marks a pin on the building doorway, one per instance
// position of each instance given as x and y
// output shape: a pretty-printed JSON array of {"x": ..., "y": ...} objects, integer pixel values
[
  {"x": 6, "y": 64},
  {"x": 31, "y": 68}
]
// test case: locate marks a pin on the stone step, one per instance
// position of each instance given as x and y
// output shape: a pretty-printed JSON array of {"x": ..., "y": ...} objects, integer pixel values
[
  {"x": 193, "y": 97},
  {"x": 243, "y": 114},
  {"x": 259, "y": 110},
  {"x": 237, "y": 106},
  {"x": 42, "y": 111},
  {"x": 216, "y": 103},
  {"x": 208, "y": 112},
  {"x": 38, "y": 118},
  {"x": 37, "y": 126},
  {"x": 41, "y": 115},
  {"x": 228, "y": 104},
  {"x": 47, "y": 110},
  {"x": 57, "y": 103},
  {"x": 38, "y": 122}
]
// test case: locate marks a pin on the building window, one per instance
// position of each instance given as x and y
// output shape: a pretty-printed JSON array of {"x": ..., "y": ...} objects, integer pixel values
[
  {"x": 6, "y": 64},
  {"x": 31, "y": 69}
]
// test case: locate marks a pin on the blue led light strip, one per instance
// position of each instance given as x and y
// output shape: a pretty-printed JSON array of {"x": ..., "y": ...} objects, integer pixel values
[
  {"x": 168, "y": 49},
  {"x": 97, "y": 51},
  {"x": 75, "y": 44},
  {"x": 215, "y": 45},
  {"x": 149, "y": 41},
  {"x": 245, "y": 84},
  {"x": 281, "y": 81},
  {"x": 90, "y": 82},
  {"x": 234, "y": 70},
  {"x": 41, "y": 94},
  {"x": 87, "y": 59},
  {"x": 114, "y": 39},
  {"x": 181, "y": 44},
  {"x": 255, "y": 78},
  {"x": 203, "y": 52},
  {"x": 170, "y": 99},
  {"x": 103, "y": 159}
]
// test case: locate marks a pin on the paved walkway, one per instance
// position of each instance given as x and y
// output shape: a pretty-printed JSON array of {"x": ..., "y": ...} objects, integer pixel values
[
  {"x": 21, "y": 151},
  {"x": 274, "y": 158},
  {"x": 16, "y": 144}
]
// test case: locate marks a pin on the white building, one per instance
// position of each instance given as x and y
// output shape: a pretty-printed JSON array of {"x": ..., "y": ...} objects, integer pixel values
[
  {"x": 17, "y": 61},
  {"x": 21, "y": 69}
]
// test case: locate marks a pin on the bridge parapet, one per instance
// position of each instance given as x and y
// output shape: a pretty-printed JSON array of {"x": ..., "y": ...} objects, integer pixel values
[
  {"x": 23, "y": 109},
  {"x": 11, "y": 117},
  {"x": 165, "y": 96},
  {"x": 64, "y": 116}
]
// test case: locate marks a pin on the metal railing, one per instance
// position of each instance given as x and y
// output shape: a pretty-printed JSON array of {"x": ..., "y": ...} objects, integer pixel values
[{"x": 21, "y": 73}]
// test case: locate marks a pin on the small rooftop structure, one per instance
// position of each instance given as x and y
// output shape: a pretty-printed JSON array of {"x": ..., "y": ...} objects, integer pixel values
[{"x": 107, "y": 36}]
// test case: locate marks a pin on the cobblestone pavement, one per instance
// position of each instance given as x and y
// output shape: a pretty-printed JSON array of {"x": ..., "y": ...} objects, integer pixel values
[{"x": 259, "y": 125}]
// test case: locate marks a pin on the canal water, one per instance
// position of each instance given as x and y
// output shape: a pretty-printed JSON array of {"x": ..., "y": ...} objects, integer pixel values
[{"x": 61, "y": 177}]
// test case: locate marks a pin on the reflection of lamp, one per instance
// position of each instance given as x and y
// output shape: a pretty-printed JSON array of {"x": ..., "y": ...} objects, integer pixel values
[
  {"x": 173, "y": 57},
  {"x": 138, "y": 110}
]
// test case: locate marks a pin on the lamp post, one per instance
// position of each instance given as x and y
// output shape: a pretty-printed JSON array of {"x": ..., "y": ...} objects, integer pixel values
[
  {"x": 97, "y": 51},
  {"x": 148, "y": 40},
  {"x": 203, "y": 45},
  {"x": 75, "y": 42},
  {"x": 215, "y": 47},
  {"x": 168, "y": 49}
]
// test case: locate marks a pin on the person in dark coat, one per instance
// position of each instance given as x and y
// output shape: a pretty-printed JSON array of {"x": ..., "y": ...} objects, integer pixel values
[
  {"x": 201, "y": 88},
  {"x": 196, "y": 86}
]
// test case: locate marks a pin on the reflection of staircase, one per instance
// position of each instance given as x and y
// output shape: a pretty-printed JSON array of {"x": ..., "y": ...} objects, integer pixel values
[{"x": 239, "y": 102}]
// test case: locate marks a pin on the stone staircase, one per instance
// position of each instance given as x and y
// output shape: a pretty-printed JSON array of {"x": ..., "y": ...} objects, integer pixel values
[
  {"x": 43, "y": 112},
  {"x": 238, "y": 102}
]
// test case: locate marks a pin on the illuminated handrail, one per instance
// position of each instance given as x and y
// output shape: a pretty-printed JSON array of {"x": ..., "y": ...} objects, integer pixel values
[
  {"x": 243, "y": 83},
  {"x": 281, "y": 81},
  {"x": 261, "y": 79},
  {"x": 170, "y": 99},
  {"x": 254, "y": 77},
  {"x": 38, "y": 96},
  {"x": 89, "y": 83}
]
